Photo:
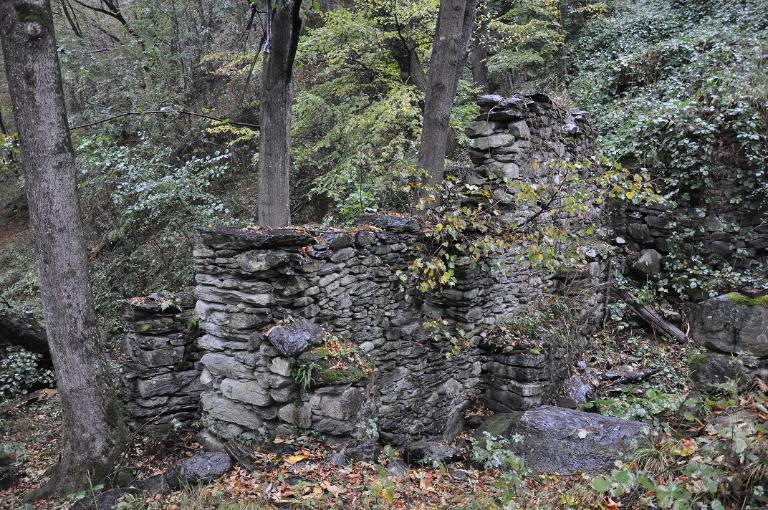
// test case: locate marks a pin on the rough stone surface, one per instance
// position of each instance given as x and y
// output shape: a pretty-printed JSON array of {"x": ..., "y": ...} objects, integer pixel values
[
  {"x": 266, "y": 297},
  {"x": 649, "y": 262},
  {"x": 160, "y": 377},
  {"x": 566, "y": 441},
  {"x": 295, "y": 338},
  {"x": 205, "y": 467},
  {"x": 724, "y": 325}
]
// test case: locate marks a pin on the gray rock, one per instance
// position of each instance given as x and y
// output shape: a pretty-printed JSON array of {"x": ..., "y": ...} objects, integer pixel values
[
  {"x": 396, "y": 468},
  {"x": 640, "y": 232},
  {"x": 106, "y": 500},
  {"x": 426, "y": 451},
  {"x": 520, "y": 130},
  {"x": 722, "y": 248},
  {"x": 254, "y": 261},
  {"x": 480, "y": 128},
  {"x": 205, "y": 467},
  {"x": 201, "y": 468},
  {"x": 505, "y": 170},
  {"x": 649, "y": 262},
  {"x": 493, "y": 141},
  {"x": 226, "y": 366},
  {"x": 362, "y": 451},
  {"x": 282, "y": 366},
  {"x": 724, "y": 325},
  {"x": 715, "y": 369},
  {"x": 296, "y": 338},
  {"x": 250, "y": 392},
  {"x": 223, "y": 409},
  {"x": 566, "y": 441},
  {"x": 576, "y": 392}
]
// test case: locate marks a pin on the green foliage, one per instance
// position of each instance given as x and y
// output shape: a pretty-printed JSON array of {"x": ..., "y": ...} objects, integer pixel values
[
  {"x": 682, "y": 89},
  {"x": 8, "y": 152},
  {"x": 305, "y": 373},
  {"x": 357, "y": 116},
  {"x": 20, "y": 371},
  {"x": 748, "y": 301},
  {"x": 495, "y": 453},
  {"x": 526, "y": 40},
  {"x": 467, "y": 229},
  {"x": 646, "y": 406},
  {"x": 725, "y": 466},
  {"x": 333, "y": 362},
  {"x": 149, "y": 209}
]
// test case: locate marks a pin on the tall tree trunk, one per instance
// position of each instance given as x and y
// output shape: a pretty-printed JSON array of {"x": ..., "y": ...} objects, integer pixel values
[
  {"x": 281, "y": 43},
  {"x": 454, "y": 29},
  {"x": 92, "y": 430}
]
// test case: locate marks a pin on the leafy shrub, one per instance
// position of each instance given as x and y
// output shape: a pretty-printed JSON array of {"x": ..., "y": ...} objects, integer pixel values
[{"x": 20, "y": 372}]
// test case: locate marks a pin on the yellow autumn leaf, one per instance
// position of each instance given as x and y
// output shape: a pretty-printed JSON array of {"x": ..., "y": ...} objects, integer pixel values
[{"x": 293, "y": 459}]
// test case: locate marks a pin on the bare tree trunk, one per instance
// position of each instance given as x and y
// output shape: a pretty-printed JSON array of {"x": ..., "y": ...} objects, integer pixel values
[
  {"x": 478, "y": 52},
  {"x": 454, "y": 29},
  {"x": 92, "y": 429},
  {"x": 275, "y": 135},
  {"x": 478, "y": 55}
]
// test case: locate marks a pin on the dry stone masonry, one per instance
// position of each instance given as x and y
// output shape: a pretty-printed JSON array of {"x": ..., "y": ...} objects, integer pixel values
[
  {"x": 315, "y": 328},
  {"x": 162, "y": 370},
  {"x": 269, "y": 300}
]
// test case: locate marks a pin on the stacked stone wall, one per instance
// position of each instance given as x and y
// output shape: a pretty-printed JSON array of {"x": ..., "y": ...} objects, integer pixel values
[
  {"x": 720, "y": 235},
  {"x": 348, "y": 282},
  {"x": 268, "y": 299},
  {"x": 162, "y": 370}
]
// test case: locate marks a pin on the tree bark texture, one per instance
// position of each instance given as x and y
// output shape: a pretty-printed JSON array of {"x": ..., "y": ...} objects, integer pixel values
[
  {"x": 454, "y": 29},
  {"x": 91, "y": 429},
  {"x": 275, "y": 134}
]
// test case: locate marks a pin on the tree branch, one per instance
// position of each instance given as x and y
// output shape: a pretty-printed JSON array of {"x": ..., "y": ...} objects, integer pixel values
[{"x": 161, "y": 112}]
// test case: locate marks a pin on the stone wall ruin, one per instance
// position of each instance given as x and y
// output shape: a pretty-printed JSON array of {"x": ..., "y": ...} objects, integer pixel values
[{"x": 271, "y": 303}]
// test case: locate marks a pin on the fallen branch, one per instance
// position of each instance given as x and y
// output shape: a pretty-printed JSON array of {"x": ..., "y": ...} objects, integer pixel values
[
  {"x": 652, "y": 318},
  {"x": 629, "y": 376},
  {"x": 164, "y": 112},
  {"x": 241, "y": 455}
]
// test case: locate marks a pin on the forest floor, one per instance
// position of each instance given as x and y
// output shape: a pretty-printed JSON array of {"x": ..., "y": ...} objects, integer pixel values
[{"x": 298, "y": 473}]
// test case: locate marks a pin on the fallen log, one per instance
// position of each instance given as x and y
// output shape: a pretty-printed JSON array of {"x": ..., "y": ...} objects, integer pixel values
[
  {"x": 652, "y": 318},
  {"x": 23, "y": 330}
]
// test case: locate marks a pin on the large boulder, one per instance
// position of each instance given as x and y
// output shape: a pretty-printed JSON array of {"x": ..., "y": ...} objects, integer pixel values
[
  {"x": 732, "y": 324},
  {"x": 565, "y": 441},
  {"x": 714, "y": 368}
]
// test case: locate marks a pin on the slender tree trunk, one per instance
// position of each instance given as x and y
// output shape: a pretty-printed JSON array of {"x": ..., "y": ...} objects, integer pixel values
[
  {"x": 92, "y": 430},
  {"x": 275, "y": 133},
  {"x": 454, "y": 29},
  {"x": 479, "y": 56},
  {"x": 478, "y": 52}
]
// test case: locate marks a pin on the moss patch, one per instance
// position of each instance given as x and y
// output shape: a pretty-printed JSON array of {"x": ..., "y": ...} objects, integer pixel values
[
  {"x": 344, "y": 375},
  {"x": 334, "y": 362},
  {"x": 741, "y": 299}
]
